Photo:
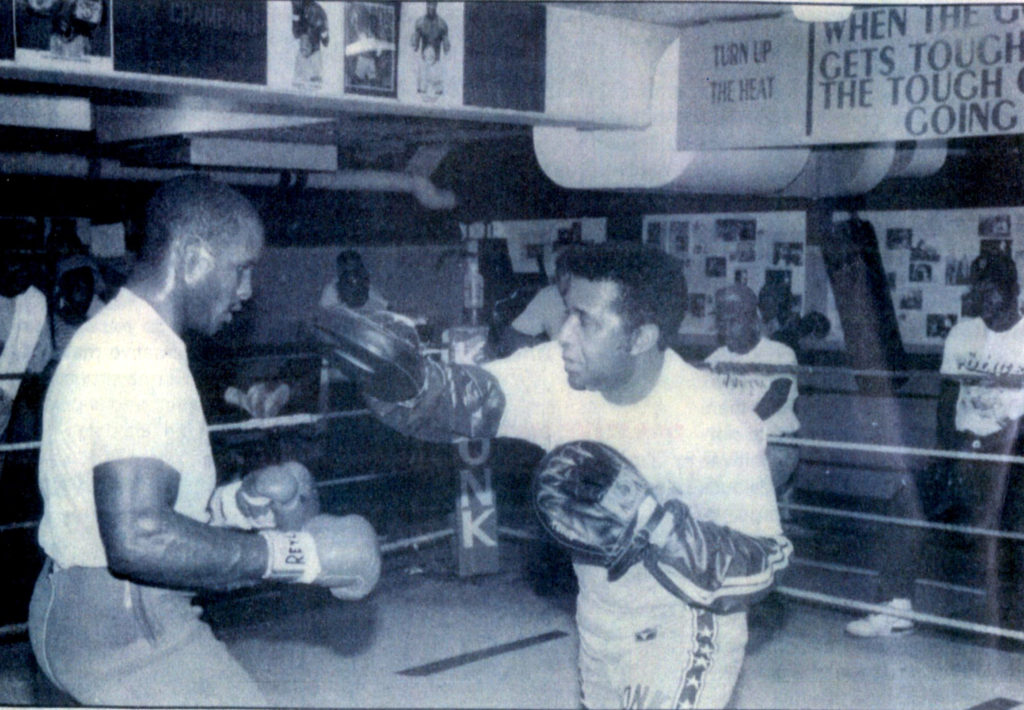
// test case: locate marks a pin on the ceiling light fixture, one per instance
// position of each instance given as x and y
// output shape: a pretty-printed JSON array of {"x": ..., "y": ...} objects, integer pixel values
[{"x": 822, "y": 13}]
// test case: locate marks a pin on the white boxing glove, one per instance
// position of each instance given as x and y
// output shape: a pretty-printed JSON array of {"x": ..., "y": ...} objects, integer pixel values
[
  {"x": 281, "y": 496},
  {"x": 341, "y": 553}
]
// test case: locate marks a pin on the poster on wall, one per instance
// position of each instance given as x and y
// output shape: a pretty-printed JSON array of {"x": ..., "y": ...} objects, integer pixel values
[
  {"x": 6, "y": 29},
  {"x": 530, "y": 242},
  {"x": 757, "y": 250},
  {"x": 224, "y": 40},
  {"x": 371, "y": 48},
  {"x": 69, "y": 34},
  {"x": 303, "y": 48},
  {"x": 927, "y": 257},
  {"x": 430, "y": 67}
]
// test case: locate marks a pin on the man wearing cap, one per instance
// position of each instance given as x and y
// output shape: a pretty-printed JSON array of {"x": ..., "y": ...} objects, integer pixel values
[
  {"x": 979, "y": 411},
  {"x": 752, "y": 368}
]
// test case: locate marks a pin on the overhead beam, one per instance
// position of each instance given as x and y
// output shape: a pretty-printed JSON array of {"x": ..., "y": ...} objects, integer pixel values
[
  {"x": 67, "y": 113},
  {"x": 125, "y": 123}
]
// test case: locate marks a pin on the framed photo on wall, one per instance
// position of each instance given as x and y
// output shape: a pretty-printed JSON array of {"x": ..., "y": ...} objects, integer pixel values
[{"x": 371, "y": 48}]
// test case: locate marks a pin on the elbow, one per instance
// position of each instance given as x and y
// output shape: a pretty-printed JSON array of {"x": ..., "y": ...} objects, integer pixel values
[{"x": 128, "y": 545}]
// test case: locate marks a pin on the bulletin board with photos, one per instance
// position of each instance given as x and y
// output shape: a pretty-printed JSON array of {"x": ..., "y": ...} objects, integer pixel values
[
  {"x": 927, "y": 256},
  {"x": 530, "y": 241},
  {"x": 721, "y": 249}
]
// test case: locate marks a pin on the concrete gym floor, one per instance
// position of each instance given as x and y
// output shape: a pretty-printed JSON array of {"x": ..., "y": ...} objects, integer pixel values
[{"x": 426, "y": 638}]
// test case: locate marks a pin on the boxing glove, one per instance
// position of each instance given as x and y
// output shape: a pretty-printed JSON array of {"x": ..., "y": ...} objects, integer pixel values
[
  {"x": 281, "y": 496},
  {"x": 340, "y": 553}
]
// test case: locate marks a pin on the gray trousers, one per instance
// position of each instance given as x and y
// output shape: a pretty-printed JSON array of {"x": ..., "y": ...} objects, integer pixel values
[{"x": 106, "y": 641}]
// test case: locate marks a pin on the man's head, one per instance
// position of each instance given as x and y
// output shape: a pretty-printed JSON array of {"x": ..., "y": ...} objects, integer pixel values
[
  {"x": 561, "y": 271},
  {"x": 625, "y": 304},
  {"x": 993, "y": 291},
  {"x": 76, "y": 286},
  {"x": 17, "y": 273},
  {"x": 201, "y": 242},
  {"x": 736, "y": 318},
  {"x": 353, "y": 279},
  {"x": 775, "y": 301}
]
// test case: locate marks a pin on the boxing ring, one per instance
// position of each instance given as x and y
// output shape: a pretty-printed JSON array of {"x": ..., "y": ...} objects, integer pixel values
[{"x": 517, "y": 530}]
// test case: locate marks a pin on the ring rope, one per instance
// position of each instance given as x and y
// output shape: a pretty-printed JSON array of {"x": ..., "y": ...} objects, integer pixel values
[
  {"x": 850, "y": 603},
  {"x": 906, "y": 522},
  {"x": 290, "y": 420},
  {"x": 933, "y": 619},
  {"x": 385, "y": 548},
  {"x": 892, "y": 449}
]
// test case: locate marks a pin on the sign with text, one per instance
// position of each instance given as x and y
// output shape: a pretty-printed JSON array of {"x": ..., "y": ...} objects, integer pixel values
[
  {"x": 913, "y": 73},
  {"x": 741, "y": 82},
  {"x": 884, "y": 74},
  {"x": 201, "y": 39}
]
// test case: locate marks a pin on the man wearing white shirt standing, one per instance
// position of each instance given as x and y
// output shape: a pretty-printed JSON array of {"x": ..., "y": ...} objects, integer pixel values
[
  {"x": 982, "y": 417},
  {"x": 744, "y": 364}
]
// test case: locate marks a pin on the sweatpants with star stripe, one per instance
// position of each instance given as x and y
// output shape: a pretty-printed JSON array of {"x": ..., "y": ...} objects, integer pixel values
[{"x": 678, "y": 657}]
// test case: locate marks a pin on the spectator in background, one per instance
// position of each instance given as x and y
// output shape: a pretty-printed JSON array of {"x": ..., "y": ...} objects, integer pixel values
[
  {"x": 981, "y": 417},
  {"x": 352, "y": 288},
  {"x": 545, "y": 313},
  {"x": 76, "y": 298},
  {"x": 747, "y": 364},
  {"x": 779, "y": 318},
  {"x": 27, "y": 346}
]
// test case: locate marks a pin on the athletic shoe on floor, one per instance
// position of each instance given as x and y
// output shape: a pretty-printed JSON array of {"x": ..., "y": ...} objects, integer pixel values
[{"x": 877, "y": 625}]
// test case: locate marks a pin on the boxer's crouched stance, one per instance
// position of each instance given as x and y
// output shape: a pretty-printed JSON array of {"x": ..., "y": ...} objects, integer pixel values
[
  {"x": 669, "y": 632},
  {"x": 132, "y": 525}
]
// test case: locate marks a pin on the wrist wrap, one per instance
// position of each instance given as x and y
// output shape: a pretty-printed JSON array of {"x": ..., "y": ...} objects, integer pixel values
[{"x": 291, "y": 556}]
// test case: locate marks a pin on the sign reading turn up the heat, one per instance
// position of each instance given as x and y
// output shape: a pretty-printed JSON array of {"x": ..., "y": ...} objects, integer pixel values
[{"x": 885, "y": 73}]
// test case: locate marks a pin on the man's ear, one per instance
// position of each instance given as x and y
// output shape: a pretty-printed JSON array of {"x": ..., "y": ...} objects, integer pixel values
[
  {"x": 196, "y": 260},
  {"x": 644, "y": 338}
]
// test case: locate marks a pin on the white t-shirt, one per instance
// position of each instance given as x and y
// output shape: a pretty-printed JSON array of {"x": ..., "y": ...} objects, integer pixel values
[
  {"x": 25, "y": 336},
  {"x": 543, "y": 315},
  {"x": 972, "y": 349},
  {"x": 123, "y": 389},
  {"x": 749, "y": 388},
  {"x": 687, "y": 438}
]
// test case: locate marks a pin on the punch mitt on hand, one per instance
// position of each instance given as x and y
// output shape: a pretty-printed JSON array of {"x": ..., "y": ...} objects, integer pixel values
[
  {"x": 380, "y": 351},
  {"x": 595, "y": 503},
  {"x": 281, "y": 496}
]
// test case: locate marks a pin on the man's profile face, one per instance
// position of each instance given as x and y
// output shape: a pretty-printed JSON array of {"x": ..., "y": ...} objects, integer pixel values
[
  {"x": 594, "y": 339},
  {"x": 227, "y": 286},
  {"x": 353, "y": 283},
  {"x": 77, "y": 288}
]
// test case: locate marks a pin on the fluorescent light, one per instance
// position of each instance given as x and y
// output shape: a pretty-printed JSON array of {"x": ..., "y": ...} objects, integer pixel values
[{"x": 822, "y": 13}]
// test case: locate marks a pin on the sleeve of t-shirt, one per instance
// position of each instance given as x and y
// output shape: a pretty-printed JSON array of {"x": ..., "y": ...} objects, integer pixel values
[
  {"x": 740, "y": 467},
  {"x": 138, "y": 401},
  {"x": 950, "y": 348},
  {"x": 526, "y": 380},
  {"x": 328, "y": 296},
  {"x": 531, "y": 320}
]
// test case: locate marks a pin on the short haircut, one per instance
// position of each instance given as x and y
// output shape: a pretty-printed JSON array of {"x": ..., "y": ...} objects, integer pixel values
[
  {"x": 194, "y": 205},
  {"x": 348, "y": 256},
  {"x": 736, "y": 297},
  {"x": 652, "y": 288},
  {"x": 995, "y": 268}
]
